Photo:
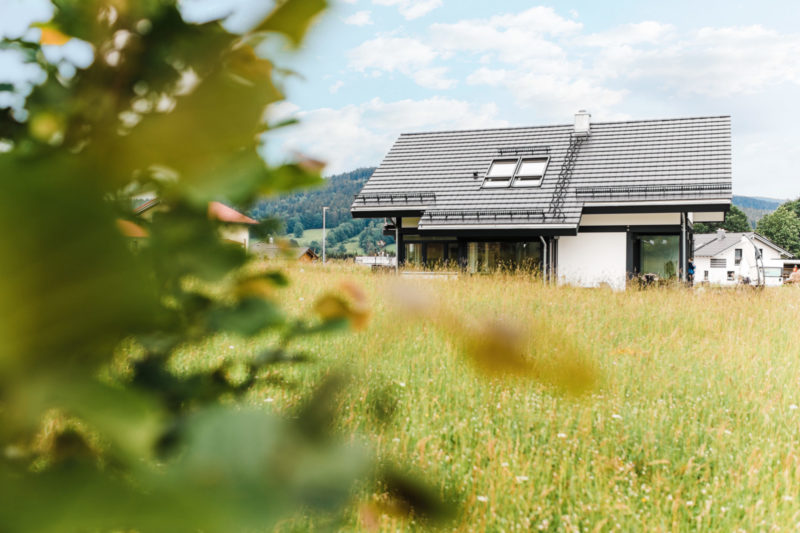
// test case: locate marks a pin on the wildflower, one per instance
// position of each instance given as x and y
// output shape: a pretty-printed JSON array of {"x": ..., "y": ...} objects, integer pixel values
[
  {"x": 504, "y": 464},
  {"x": 302, "y": 299},
  {"x": 615, "y": 415},
  {"x": 395, "y": 439},
  {"x": 402, "y": 384},
  {"x": 689, "y": 503},
  {"x": 793, "y": 407},
  {"x": 483, "y": 499},
  {"x": 231, "y": 346},
  {"x": 562, "y": 435},
  {"x": 787, "y": 498},
  {"x": 521, "y": 479},
  {"x": 268, "y": 400}
]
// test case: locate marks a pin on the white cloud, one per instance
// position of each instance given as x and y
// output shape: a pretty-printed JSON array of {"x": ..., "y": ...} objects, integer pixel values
[
  {"x": 336, "y": 86},
  {"x": 359, "y": 18},
  {"x": 411, "y": 9},
  {"x": 398, "y": 54},
  {"x": 714, "y": 62},
  {"x": 434, "y": 78},
  {"x": 360, "y": 135},
  {"x": 391, "y": 54}
]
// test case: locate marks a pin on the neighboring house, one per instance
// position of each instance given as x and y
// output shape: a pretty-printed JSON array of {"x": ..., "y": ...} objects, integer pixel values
[
  {"x": 588, "y": 204},
  {"x": 270, "y": 250},
  {"x": 235, "y": 227},
  {"x": 729, "y": 258}
]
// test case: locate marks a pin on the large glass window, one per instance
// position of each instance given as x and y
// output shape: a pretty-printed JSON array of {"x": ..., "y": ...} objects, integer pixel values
[
  {"x": 434, "y": 253},
  {"x": 660, "y": 255},
  {"x": 490, "y": 256},
  {"x": 413, "y": 253}
]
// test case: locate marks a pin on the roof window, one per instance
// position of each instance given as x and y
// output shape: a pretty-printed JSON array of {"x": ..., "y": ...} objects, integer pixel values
[
  {"x": 500, "y": 173},
  {"x": 531, "y": 171},
  {"x": 516, "y": 172}
]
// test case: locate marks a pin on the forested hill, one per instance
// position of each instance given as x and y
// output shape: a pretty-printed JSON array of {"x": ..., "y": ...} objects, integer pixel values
[{"x": 337, "y": 194}]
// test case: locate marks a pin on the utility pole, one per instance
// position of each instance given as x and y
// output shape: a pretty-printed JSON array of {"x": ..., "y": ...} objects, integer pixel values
[{"x": 324, "y": 211}]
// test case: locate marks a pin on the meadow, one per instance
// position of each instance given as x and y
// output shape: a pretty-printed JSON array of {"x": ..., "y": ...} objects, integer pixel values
[{"x": 689, "y": 421}]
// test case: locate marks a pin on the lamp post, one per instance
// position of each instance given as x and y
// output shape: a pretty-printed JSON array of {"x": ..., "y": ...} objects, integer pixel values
[{"x": 324, "y": 211}]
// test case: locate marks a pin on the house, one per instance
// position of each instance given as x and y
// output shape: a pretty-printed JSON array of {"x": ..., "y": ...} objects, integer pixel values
[
  {"x": 234, "y": 227},
  {"x": 586, "y": 203},
  {"x": 723, "y": 258},
  {"x": 270, "y": 250}
]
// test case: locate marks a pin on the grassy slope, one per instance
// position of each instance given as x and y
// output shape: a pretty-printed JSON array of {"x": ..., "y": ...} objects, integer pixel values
[{"x": 693, "y": 427}]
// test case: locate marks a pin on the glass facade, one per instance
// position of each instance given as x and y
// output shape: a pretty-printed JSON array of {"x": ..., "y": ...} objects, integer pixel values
[
  {"x": 491, "y": 256},
  {"x": 660, "y": 255}
]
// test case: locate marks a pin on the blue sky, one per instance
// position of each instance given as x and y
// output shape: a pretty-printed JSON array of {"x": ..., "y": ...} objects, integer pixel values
[{"x": 375, "y": 68}]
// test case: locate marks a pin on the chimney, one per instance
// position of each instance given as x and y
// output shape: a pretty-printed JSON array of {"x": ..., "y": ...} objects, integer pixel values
[
  {"x": 271, "y": 240},
  {"x": 582, "y": 119},
  {"x": 721, "y": 233}
]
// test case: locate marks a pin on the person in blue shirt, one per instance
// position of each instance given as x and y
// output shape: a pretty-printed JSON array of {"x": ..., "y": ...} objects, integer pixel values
[{"x": 690, "y": 271}]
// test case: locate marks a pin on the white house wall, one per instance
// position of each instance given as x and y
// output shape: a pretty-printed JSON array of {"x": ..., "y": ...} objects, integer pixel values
[
  {"x": 592, "y": 259},
  {"x": 632, "y": 219},
  {"x": 238, "y": 233}
]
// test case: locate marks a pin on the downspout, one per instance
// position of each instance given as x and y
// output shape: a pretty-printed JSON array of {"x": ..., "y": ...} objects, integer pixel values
[
  {"x": 397, "y": 246},
  {"x": 684, "y": 259},
  {"x": 545, "y": 264}
]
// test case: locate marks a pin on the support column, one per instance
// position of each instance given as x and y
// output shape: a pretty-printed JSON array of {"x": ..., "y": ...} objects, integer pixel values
[{"x": 401, "y": 250}]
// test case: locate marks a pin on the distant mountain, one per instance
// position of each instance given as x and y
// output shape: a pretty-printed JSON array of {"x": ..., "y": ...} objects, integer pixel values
[
  {"x": 756, "y": 207},
  {"x": 337, "y": 194},
  {"x": 757, "y": 202}
]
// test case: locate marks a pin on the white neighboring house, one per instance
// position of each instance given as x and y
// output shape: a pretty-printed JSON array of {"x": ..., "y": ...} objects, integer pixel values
[{"x": 723, "y": 258}]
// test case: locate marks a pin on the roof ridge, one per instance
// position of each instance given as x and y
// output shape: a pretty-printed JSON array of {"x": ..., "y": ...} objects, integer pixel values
[{"x": 544, "y": 126}]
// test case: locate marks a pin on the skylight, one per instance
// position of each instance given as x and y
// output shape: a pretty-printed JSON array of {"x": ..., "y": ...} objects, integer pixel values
[
  {"x": 531, "y": 171},
  {"x": 500, "y": 173},
  {"x": 516, "y": 172}
]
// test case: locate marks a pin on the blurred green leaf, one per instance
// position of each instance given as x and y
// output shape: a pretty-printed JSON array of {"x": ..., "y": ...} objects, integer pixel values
[{"x": 293, "y": 18}]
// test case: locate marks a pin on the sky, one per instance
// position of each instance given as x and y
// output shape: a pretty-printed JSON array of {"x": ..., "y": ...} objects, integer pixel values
[{"x": 372, "y": 69}]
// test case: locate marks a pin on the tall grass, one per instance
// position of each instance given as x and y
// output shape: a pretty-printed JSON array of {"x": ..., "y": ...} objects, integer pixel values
[{"x": 692, "y": 424}]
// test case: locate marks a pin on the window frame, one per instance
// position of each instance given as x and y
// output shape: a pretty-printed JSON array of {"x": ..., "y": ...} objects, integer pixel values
[
  {"x": 519, "y": 180},
  {"x": 487, "y": 179},
  {"x": 737, "y": 256}
]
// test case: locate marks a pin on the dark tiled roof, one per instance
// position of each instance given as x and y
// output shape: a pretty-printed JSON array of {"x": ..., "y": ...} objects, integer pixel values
[
  {"x": 711, "y": 244},
  {"x": 673, "y": 159}
]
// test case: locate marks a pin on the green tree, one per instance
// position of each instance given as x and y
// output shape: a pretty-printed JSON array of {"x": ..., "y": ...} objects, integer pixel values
[
  {"x": 297, "y": 230},
  {"x": 735, "y": 221},
  {"x": 175, "y": 108},
  {"x": 782, "y": 227}
]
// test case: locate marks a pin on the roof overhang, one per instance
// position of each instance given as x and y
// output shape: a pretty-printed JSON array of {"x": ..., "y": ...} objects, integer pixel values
[
  {"x": 372, "y": 212},
  {"x": 677, "y": 206},
  {"x": 501, "y": 231}
]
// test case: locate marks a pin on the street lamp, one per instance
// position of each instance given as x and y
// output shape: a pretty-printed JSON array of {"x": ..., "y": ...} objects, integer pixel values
[{"x": 324, "y": 211}]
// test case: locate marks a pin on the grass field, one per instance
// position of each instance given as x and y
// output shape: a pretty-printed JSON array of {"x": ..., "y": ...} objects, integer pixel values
[
  {"x": 315, "y": 234},
  {"x": 692, "y": 422}
]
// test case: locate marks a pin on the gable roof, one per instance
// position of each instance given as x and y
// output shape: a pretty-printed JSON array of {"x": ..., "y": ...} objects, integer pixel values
[
  {"x": 711, "y": 244},
  {"x": 223, "y": 213},
  {"x": 441, "y": 173},
  {"x": 130, "y": 229}
]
